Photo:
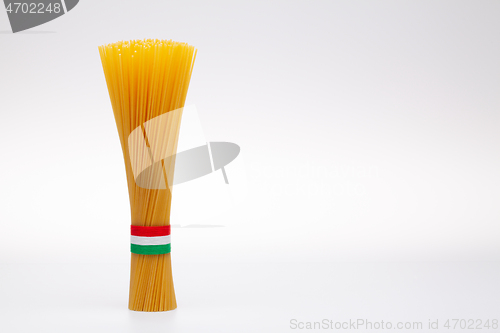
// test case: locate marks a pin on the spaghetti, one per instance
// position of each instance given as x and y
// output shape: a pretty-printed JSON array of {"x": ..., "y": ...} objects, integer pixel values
[{"x": 147, "y": 79}]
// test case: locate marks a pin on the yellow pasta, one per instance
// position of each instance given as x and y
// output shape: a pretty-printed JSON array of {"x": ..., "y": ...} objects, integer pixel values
[{"x": 147, "y": 80}]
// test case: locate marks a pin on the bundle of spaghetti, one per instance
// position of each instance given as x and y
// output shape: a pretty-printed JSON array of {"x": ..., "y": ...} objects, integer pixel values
[{"x": 147, "y": 79}]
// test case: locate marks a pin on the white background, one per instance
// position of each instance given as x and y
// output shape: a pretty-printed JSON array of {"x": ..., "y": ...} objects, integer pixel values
[{"x": 369, "y": 133}]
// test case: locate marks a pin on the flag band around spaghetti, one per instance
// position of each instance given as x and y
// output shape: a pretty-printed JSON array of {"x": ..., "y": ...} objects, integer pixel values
[{"x": 150, "y": 240}]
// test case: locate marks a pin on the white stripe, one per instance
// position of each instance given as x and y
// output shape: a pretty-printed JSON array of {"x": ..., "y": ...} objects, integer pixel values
[
  {"x": 158, "y": 240},
  {"x": 64, "y": 6}
]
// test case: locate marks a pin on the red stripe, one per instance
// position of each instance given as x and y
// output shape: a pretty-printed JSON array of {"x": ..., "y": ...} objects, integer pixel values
[{"x": 136, "y": 230}]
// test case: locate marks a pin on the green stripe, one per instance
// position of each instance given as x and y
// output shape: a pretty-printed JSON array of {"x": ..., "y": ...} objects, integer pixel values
[{"x": 150, "y": 249}]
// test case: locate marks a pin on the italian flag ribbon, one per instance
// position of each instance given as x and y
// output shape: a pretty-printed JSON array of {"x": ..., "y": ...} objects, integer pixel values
[{"x": 150, "y": 240}]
